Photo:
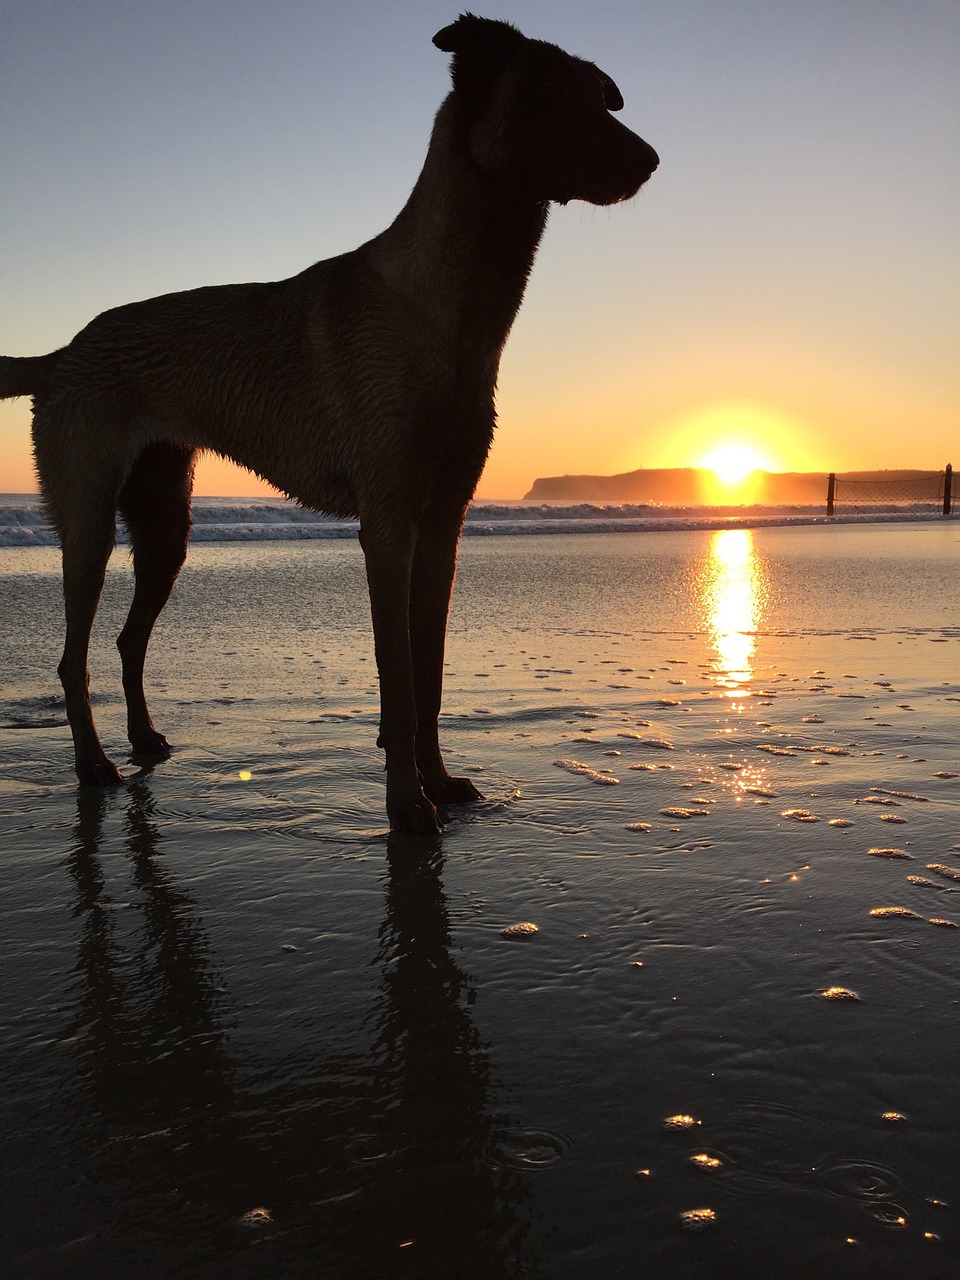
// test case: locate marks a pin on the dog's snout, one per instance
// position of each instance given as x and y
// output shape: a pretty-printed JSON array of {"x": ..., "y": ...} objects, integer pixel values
[
  {"x": 624, "y": 166},
  {"x": 647, "y": 158}
]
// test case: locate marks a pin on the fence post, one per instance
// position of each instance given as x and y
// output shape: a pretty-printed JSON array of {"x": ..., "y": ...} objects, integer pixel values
[
  {"x": 947, "y": 488},
  {"x": 831, "y": 491}
]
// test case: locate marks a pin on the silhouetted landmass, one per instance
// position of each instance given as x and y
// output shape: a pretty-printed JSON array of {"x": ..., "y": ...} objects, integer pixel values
[{"x": 695, "y": 486}]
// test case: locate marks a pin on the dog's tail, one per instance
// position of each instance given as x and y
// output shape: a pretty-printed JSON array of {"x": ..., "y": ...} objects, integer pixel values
[{"x": 25, "y": 375}]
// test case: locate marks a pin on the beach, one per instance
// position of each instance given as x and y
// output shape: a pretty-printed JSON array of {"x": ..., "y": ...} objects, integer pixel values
[{"x": 246, "y": 1034}]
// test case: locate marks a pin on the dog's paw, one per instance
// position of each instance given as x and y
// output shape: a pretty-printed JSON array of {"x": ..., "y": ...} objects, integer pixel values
[
  {"x": 149, "y": 743},
  {"x": 99, "y": 773},
  {"x": 450, "y": 790},
  {"x": 414, "y": 818}
]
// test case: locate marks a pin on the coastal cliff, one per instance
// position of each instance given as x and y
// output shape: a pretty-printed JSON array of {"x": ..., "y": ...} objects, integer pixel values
[{"x": 694, "y": 486}]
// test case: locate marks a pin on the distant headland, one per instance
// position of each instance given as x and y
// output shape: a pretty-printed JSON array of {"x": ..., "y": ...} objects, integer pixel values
[{"x": 695, "y": 486}]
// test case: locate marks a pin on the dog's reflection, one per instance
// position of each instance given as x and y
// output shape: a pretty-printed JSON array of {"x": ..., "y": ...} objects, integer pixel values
[
  {"x": 154, "y": 1016},
  {"x": 370, "y": 1160}
]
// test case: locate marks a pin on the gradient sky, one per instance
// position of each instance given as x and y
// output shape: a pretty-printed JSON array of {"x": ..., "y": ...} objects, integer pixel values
[{"x": 788, "y": 279}]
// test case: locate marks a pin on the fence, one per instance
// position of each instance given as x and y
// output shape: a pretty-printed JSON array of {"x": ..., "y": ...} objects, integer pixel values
[{"x": 934, "y": 489}]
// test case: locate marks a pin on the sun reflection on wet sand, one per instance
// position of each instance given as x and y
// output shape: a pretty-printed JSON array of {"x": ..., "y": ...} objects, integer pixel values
[{"x": 732, "y": 590}]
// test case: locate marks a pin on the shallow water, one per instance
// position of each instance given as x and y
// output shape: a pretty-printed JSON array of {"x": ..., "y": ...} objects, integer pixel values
[{"x": 244, "y": 1034}]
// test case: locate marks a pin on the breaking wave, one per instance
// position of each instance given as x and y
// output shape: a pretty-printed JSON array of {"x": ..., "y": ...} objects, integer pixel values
[{"x": 23, "y": 522}]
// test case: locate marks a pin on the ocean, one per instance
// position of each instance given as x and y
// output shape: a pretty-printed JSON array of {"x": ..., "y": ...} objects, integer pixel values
[
  {"x": 24, "y": 524},
  {"x": 245, "y": 1033}
]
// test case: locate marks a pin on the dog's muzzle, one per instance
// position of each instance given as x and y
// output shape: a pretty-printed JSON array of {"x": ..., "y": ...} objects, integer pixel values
[
  {"x": 646, "y": 160},
  {"x": 651, "y": 159},
  {"x": 625, "y": 167}
]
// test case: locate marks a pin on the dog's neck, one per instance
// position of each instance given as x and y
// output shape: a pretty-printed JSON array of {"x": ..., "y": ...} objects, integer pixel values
[{"x": 462, "y": 241}]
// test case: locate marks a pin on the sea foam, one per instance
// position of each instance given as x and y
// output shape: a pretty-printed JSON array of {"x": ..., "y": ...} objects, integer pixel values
[{"x": 23, "y": 522}]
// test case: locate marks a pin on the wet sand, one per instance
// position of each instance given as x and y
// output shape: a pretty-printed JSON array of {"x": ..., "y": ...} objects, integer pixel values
[{"x": 245, "y": 1034}]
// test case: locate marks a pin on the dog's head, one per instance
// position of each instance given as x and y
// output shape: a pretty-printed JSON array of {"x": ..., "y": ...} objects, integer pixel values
[{"x": 538, "y": 119}]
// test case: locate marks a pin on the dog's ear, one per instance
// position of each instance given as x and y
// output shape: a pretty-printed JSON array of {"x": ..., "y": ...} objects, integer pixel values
[
  {"x": 612, "y": 97},
  {"x": 485, "y": 36},
  {"x": 480, "y": 47}
]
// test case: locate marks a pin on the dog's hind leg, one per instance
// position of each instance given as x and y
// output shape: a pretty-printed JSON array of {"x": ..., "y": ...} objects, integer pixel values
[
  {"x": 155, "y": 505},
  {"x": 388, "y": 549},
  {"x": 86, "y": 540},
  {"x": 434, "y": 568}
]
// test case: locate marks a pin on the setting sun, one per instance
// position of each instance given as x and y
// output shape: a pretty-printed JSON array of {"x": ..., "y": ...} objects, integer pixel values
[
  {"x": 734, "y": 441},
  {"x": 732, "y": 463}
]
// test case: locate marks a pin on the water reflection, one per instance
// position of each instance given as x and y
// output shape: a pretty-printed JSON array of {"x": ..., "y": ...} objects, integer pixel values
[
  {"x": 732, "y": 591},
  {"x": 353, "y": 1159},
  {"x": 150, "y": 1010}
]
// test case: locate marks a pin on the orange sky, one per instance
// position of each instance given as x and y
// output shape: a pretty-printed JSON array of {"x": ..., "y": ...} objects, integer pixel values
[{"x": 786, "y": 281}]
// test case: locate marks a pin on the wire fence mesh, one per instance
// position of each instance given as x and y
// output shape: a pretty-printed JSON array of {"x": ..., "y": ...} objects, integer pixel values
[{"x": 932, "y": 490}]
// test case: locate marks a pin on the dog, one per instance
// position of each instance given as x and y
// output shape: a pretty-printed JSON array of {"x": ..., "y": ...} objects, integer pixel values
[{"x": 362, "y": 387}]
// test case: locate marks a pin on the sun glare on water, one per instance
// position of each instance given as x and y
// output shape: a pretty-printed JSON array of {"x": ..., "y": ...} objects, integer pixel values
[{"x": 732, "y": 589}]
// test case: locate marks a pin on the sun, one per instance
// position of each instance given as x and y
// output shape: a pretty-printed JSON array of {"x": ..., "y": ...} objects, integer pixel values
[{"x": 732, "y": 463}]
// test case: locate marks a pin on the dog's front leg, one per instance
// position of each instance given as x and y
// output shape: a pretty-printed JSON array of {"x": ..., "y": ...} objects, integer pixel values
[
  {"x": 434, "y": 568},
  {"x": 388, "y": 551}
]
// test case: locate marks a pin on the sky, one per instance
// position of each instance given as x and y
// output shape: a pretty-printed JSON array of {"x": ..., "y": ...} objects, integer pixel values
[{"x": 787, "y": 281}]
